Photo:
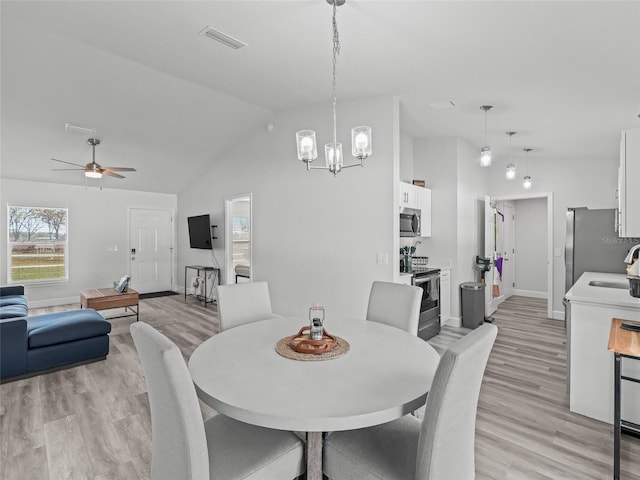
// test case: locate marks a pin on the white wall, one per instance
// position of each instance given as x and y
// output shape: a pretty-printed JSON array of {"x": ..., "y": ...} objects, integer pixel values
[
  {"x": 98, "y": 223},
  {"x": 531, "y": 246},
  {"x": 575, "y": 183},
  {"x": 406, "y": 158},
  {"x": 315, "y": 237},
  {"x": 451, "y": 169}
]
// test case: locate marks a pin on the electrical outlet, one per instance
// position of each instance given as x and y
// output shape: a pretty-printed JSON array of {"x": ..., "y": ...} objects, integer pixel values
[{"x": 383, "y": 258}]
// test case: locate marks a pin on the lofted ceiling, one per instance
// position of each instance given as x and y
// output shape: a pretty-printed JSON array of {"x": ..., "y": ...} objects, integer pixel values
[{"x": 168, "y": 101}]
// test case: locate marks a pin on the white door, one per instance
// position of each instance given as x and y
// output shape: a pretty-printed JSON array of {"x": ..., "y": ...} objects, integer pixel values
[
  {"x": 151, "y": 249},
  {"x": 508, "y": 251}
]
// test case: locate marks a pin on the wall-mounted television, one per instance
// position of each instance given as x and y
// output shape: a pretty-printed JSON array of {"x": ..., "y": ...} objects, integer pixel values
[{"x": 200, "y": 232}]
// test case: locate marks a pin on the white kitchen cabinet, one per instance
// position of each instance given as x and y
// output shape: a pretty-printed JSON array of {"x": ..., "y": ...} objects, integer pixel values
[
  {"x": 408, "y": 195},
  {"x": 628, "y": 191},
  {"x": 445, "y": 295}
]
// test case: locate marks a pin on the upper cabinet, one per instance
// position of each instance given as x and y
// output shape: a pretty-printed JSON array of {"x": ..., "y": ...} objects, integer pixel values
[
  {"x": 628, "y": 191},
  {"x": 419, "y": 198}
]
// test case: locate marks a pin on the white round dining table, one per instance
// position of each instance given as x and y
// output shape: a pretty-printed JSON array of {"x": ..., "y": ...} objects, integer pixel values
[{"x": 385, "y": 374}]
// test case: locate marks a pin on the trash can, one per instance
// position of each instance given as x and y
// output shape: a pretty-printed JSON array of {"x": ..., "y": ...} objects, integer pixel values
[{"x": 472, "y": 300}]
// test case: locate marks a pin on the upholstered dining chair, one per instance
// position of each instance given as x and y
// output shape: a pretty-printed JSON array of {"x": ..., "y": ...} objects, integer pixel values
[
  {"x": 243, "y": 303},
  {"x": 441, "y": 446},
  {"x": 186, "y": 448},
  {"x": 395, "y": 304}
]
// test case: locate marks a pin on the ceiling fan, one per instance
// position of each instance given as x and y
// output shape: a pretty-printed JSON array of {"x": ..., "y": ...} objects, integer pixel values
[{"x": 93, "y": 169}]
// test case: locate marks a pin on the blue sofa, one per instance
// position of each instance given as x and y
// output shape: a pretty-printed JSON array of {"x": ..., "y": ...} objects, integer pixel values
[{"x": 31, "y": 344}]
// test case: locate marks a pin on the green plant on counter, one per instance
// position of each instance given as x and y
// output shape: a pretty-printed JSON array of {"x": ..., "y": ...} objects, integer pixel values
[{"x": 407, "y": 250}]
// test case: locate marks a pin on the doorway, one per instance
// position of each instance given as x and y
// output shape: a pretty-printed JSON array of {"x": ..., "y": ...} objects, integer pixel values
[
  {"x": 510, "y": 267},
  {"x": 151, "y": 249},
  {"x": 238, "y": 238}
]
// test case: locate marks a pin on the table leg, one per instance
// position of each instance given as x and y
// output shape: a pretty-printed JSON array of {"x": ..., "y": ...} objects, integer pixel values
[
  {"x": 617, "y": 367},
  {"x": 314, "y": 455}
]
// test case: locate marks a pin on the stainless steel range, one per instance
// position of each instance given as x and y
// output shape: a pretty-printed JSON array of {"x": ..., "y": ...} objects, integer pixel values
[{"x": 429, "y": 280}]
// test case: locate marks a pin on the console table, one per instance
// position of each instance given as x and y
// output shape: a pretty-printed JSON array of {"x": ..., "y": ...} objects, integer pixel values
[{"x": 198, "y": 269}]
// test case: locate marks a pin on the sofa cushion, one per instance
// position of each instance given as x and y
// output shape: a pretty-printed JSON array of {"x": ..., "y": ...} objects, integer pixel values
[
  {"x": 13, "y": 300},
  {"x": 60, "y": 327},
  {"x": 14, "y": 310}
]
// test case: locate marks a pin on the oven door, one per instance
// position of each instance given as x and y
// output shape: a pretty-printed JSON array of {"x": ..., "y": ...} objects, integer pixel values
[{"x": 429, "y": 320}]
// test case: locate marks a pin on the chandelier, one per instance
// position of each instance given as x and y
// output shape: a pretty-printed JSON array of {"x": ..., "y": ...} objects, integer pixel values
[{"x": 360, "y": 136}]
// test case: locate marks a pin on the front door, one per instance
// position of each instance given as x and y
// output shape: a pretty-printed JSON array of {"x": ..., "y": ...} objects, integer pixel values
[{"x": 151, "y": 249}]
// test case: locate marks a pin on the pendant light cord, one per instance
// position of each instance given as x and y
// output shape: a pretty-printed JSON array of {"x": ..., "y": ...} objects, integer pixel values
[{"x": 336, "y": 52}]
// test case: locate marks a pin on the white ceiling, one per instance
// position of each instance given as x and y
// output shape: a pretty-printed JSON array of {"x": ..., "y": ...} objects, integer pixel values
[{"x": 165, "y": 99}]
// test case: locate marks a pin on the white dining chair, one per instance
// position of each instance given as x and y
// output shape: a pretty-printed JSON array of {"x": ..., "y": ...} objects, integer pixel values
[
  {"x": 395, "y": 304},
  {"x": 243, "y": 303},
  {"x": 186, "y": 448},
  {"x": 441, "y": 446}
]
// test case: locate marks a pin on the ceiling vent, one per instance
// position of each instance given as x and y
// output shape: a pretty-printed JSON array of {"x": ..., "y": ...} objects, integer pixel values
[
  {"x": 223, "y": 38},
  {"x": 442, "y": 105},
  {"x": 78, "y": 129}
]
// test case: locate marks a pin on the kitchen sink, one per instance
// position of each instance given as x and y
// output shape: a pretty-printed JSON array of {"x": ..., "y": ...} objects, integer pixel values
[{"x": 602, "y": 283}]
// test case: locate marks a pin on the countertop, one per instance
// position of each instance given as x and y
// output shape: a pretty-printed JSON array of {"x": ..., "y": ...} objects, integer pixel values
[{"x": 582, "y": 292}]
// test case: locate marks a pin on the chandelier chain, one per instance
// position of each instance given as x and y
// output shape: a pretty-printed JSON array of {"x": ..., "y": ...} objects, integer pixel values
[{"x": 336, "y": 52}]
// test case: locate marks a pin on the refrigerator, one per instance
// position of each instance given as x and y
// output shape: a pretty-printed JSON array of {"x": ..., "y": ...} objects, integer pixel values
[{"x": 593, "y": 244}]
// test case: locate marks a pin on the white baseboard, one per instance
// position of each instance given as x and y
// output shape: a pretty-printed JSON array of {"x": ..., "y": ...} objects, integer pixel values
[
  {"x": 558, "y": 315},
  {"x": 455, "y": 322},
  {"x": 531, "y": 293}
]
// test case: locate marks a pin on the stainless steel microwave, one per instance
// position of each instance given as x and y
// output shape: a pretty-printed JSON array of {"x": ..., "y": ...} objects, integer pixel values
[{"x": 409, "y": 223}]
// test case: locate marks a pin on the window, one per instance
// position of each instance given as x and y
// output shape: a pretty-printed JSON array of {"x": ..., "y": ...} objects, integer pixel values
[{"x": 37, "y": 244}]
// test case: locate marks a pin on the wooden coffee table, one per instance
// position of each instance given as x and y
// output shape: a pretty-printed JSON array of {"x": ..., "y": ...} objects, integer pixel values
[{"x": 108, "y": 298}]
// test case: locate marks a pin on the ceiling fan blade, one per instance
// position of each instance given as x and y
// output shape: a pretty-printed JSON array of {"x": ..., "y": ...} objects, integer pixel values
[
  {"x": 70, "y": 163},
  {"x": 120, "y": 169},
  {"x": 65, "y": 169},
  {"x": 111, "y": 174}
]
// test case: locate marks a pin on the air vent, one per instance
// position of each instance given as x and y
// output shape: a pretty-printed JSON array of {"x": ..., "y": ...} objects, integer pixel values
[
  {"x": 79, "y": 129},
  {"x": 442, "y": 105},
  {"x": 223, "y": 38}
]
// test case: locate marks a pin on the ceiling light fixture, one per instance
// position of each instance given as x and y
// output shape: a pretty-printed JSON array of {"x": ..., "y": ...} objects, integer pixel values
[
  {"x": 485, "y": 152},
  {"x": 511, "y": 167},
  {"x": 527, "y": 181},
  {"x": 360, "y": 136},
  {"x": 93, "y": 170}
]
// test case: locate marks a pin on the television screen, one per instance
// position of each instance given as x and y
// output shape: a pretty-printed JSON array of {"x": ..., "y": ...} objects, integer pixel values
[{"x": 200, "y": 232}]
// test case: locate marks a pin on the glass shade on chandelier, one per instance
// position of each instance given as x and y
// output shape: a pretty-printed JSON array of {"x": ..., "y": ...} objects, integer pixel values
[
  {"x": 485, "y": 156},
  {"x": 527, "y": 182},
  {"x": 307, "y": 148},
  {"x": 333, "y": 157},
  {"x": 361, "y": 142},
  {"x": 511, "y": 171}
]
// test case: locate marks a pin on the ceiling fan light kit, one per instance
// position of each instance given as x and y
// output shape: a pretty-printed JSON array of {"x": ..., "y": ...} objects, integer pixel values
[
  {"x": 94, "y": 169},
  {"x": 360, "y": 136}
]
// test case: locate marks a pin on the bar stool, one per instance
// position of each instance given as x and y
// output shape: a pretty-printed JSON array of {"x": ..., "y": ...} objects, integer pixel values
[{"x": 624, "y": 344}]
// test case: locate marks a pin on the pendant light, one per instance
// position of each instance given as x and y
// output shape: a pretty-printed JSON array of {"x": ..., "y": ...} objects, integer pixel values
[
  {"x": 527, "y": 181},
  {"x": 510, "y": 173},
  {"x": 360, "y": 136},
  {"x": 485, "y": 152}
]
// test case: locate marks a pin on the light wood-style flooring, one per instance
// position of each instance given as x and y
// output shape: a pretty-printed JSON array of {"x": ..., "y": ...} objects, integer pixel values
[{"x": 92, "y": 421}]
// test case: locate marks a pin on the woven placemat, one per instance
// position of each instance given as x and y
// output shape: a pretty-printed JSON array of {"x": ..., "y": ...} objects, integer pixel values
[{"x": 283, "y": 348}]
